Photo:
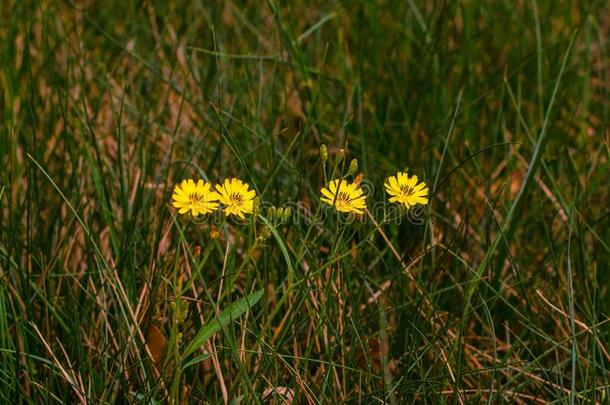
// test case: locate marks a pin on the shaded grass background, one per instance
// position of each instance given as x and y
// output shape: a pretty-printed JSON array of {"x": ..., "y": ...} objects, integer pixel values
[{"x": 106, "y": 105}]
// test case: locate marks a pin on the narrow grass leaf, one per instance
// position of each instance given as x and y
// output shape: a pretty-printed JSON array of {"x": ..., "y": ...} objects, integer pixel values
[{"x": 234, "y": 311}]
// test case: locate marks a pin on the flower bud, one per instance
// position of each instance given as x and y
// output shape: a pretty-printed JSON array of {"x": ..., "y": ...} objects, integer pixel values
[
  {"x": 279, "y": 213},
  {"x": 214, "y": 232},
  {"x": 353, "y": 167},
  {"x": 287, "y": 214},
  {"x": 271, "y": 213},
  {"x": 340, "y": 155},
  {"x": 323, "y": 153},
  {"x": 197, "y": 251}
]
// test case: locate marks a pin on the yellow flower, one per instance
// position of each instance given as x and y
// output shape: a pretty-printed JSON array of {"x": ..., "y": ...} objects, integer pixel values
[
  {"x": 236, "y": 197},
  {"x": 344, "y": 196},
  {"x": 195, "y": 197},
  {"x": 405, "y": 190}
]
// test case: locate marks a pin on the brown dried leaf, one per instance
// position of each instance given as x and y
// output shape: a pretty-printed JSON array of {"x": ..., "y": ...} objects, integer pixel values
[{"x": 156, "y": 343}]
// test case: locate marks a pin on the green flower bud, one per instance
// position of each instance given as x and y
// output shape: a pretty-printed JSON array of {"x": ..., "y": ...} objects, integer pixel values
[
  {"x": 340, "y": 155},
  {"x": 323, "y": 153},
  {"x": 353, "y": 167},
  {"x": 287, "y": 214}
]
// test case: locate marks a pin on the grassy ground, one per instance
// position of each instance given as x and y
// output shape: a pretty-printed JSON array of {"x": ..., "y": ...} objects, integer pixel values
[{"x": 496, "y": 292}]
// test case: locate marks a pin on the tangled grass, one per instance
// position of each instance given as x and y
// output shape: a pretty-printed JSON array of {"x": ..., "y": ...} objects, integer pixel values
[{"x": 498, "y": 293}]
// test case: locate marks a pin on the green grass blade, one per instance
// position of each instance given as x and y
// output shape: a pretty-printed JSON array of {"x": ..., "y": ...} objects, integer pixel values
[{"x": 231, "y": 313}]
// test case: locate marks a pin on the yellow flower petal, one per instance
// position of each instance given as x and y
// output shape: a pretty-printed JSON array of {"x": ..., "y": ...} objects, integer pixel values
[
  {"x": 180, "y": 197},
  {"x": 326, "y": 193},
  {"x": 402, "y": 178},
  {"x": 394, "y": 183}
]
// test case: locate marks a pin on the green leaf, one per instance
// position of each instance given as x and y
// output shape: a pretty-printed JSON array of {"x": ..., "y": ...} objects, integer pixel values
[
  {"x": 196, "y": 360},
  {"x": 235, "y": 310}
]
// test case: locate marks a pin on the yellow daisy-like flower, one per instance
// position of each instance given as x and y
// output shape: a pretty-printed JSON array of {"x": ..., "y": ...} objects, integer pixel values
[
  {"x": 344, "y": 196},
  {"x": 405, "y": 190},
  {"x": 236, "y": 197},
  {"x": 198, "y": 198}
]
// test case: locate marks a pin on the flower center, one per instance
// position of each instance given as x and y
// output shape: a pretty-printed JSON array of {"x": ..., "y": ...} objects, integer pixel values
[
  {"x": 196, "y": 198},
  {"x": 236, "y": 198},
  {"x": 343, "y": 198},
  {"x": 406, "y": 190}
]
